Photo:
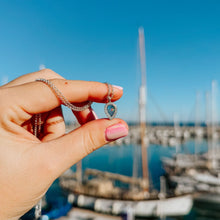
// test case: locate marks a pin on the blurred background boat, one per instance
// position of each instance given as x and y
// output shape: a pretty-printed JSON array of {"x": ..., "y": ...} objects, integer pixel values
[
  {"x": 157, "y": 171},
  {"x": 118, "y": 194}
]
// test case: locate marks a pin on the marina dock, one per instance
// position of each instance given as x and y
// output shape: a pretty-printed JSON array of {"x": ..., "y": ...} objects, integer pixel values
[{"x": 165, "y": 135}]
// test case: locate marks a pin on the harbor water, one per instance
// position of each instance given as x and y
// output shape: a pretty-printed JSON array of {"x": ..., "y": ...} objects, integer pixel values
[{"x": 126, "y": 160}]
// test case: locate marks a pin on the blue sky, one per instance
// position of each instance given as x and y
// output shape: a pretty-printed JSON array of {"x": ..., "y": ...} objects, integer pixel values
[{"x": 97, "y": 40}]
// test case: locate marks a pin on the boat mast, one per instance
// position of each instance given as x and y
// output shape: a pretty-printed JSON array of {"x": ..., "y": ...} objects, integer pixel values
[
  {"x": 208, "y": 123},
  {"x": 214, "y": 124},
  {"x": 142, "y": 105},
  {"x": 198, "y": 131}
]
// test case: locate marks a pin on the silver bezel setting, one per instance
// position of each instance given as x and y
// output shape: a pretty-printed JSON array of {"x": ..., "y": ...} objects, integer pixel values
[{"x": 106, "y": 110}]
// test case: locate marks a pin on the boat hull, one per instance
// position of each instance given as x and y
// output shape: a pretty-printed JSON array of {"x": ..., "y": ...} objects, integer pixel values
[{"x": 176, "y": 206}]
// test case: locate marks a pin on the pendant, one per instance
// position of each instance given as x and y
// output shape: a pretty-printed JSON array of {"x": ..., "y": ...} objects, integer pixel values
[{"x": 110, "y": 110}]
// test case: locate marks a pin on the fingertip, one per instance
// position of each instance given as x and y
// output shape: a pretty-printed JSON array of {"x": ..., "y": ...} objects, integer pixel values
[
  {"x": 118, "y": 92},
  {"x": 95, "y": 117},
  {"x": 118, "y": 87},
  {"x": 85, "y": 116},
  {"x": 116, "y": 131},
  {"x": 90, "y": 116}
]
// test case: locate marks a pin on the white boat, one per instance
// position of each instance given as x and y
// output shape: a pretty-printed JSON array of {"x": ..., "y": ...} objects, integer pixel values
[
  {"x": 177, "y": 206},
  {"x": 102, "y": 195}
]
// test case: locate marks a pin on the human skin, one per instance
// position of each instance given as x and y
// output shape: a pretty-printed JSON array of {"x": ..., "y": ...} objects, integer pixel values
[{"x": 28, "y": 165}]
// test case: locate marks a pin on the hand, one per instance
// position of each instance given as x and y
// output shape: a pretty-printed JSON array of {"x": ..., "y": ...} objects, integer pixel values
[{"x": 28, "y": 165}]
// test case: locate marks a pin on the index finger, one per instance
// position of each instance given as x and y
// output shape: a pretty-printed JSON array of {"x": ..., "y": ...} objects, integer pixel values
[
  {"x": 37, "y": 97},
  {"x": 30, "y": 77}
]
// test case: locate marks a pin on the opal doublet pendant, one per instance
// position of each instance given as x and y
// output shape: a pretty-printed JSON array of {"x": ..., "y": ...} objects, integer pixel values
[
  {"x": 110, "y": 107},
  {"x": 110, "y": 110}
]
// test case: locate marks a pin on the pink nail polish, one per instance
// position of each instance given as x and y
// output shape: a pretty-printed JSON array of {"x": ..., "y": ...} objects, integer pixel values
[
  {"x": 115, "y": 132},
  {"x": 118, "y": 87}
]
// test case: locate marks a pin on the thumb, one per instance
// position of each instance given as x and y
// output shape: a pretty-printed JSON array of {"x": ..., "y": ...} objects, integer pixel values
[{"x": 62, "y": 153}]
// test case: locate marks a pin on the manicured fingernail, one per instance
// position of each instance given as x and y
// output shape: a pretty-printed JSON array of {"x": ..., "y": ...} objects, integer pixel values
[
  {"x": 115, "y": 132},
  {"x": 118, "y": 87}
]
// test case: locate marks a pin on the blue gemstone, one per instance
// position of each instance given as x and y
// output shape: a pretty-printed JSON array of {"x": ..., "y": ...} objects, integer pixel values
[{"x": 111, "y": 109}]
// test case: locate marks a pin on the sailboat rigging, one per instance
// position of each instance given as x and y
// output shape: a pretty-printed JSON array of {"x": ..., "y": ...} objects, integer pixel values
[{"x": 97, "y": 189}]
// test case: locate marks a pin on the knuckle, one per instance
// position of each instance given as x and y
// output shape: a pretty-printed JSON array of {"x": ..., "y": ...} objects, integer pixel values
[
  {"x": 4, "y": 105},
  {"x": 55, "y": 127},
  {"x": 61, "y": 130},
  {"x": 50, "y": 73},
  {"x": 90, "y": 142}
]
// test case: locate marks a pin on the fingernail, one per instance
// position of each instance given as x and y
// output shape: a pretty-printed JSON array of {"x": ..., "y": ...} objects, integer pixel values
[
  {"x": 118, "y": 87},
  {"x": 115, "y": 132}
]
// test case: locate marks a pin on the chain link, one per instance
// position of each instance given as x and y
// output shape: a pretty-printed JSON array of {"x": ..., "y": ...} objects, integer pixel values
[
  {"x": 63, "y": 98},
  {"x": 110, "y": 92},
  {"x": 37, "y": 124}
]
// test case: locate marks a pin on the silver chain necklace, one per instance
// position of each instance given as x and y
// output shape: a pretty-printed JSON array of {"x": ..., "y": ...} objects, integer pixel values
[
  {"x": 62, "y": 98},
  {"x": 110, "y": 110},
  {"x": 37, "y": 124}
]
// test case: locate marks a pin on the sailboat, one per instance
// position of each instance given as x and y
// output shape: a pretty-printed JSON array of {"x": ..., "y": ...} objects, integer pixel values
[
  {"x": 198, "y": 174},
  {"x": 96, "y": 189}
]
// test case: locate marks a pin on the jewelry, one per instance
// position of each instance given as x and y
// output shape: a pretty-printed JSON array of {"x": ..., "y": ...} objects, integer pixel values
[
  {"x": 38, "y": 124},
  {"x": 36, "y": 130},
  {"x": 110, "y": 107},
  {"x": 62, "y": 98}
]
